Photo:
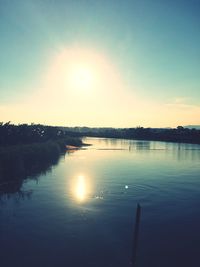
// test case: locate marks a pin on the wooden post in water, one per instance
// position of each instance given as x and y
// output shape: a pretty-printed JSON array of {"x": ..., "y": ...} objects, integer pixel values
[{"x": 136, "y": 235}]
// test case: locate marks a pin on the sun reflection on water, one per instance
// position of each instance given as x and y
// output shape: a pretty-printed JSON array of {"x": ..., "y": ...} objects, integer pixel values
[{"x": 81, "y": 188}]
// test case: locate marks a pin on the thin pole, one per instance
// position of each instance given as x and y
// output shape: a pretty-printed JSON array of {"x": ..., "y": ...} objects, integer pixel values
[{"x": 136, "y": 235}]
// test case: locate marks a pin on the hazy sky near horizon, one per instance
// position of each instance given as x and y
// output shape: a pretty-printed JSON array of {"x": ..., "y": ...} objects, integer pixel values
[{"x": 100, "y": 63}]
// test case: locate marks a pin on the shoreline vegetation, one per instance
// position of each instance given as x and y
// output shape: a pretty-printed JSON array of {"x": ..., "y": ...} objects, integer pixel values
[{"x": 28, "y": 150}]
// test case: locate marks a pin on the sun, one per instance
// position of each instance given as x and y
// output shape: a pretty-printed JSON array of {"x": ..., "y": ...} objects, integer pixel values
[
  {"x": 76, "y": 74},
  {"x": 81, "y": 77}
]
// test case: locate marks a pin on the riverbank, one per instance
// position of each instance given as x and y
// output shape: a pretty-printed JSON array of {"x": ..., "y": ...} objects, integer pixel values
[{"x": 20, "y": 161}]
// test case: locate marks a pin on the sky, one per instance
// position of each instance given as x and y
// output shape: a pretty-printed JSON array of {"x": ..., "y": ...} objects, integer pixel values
[{"x": 100, "y": 63}]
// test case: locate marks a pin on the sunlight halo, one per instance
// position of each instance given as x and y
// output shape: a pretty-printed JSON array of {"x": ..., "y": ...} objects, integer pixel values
[{"x": 80, "y": 77}]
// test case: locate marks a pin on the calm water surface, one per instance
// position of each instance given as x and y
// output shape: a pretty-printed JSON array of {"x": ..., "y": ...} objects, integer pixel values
[{"x": 82, "y": 212}]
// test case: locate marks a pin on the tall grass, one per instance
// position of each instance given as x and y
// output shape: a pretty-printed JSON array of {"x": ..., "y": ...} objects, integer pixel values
[{"x": 20, "y": 161}]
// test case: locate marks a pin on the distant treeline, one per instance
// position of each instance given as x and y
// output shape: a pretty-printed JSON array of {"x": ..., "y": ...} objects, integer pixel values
[
  {"x": 26, "y": 150},
  {"x": 179, "y": 134}
]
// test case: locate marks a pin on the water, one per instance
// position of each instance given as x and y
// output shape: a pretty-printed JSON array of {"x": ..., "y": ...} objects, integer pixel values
[{"x": 82, "y": 212}]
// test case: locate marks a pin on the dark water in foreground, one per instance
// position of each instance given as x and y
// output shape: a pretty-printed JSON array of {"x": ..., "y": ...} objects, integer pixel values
[{"x": 82, "y": 212}]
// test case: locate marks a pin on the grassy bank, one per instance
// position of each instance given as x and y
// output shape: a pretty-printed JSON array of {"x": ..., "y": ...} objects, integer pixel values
[{"x": 23, "y": 160}]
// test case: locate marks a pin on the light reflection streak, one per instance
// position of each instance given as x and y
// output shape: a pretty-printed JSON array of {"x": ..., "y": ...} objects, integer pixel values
[{"x": 81, "y": 188}]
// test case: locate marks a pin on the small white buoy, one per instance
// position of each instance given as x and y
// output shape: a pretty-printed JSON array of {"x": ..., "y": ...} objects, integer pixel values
[{"x": 126, "y": 186}]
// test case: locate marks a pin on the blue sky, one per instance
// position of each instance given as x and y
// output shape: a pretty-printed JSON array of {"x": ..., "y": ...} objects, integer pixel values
[{"x": 153, "y": 44}]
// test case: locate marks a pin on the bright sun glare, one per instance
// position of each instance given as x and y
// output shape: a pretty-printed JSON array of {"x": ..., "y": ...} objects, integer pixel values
[
  {"x": 81, "y": 77},
  {"x": 81, "y": 188},
  {"x": 77, "y": 76}
]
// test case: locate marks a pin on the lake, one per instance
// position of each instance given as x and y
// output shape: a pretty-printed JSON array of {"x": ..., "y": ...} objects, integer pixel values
[{"x": 82, "y": 212}]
